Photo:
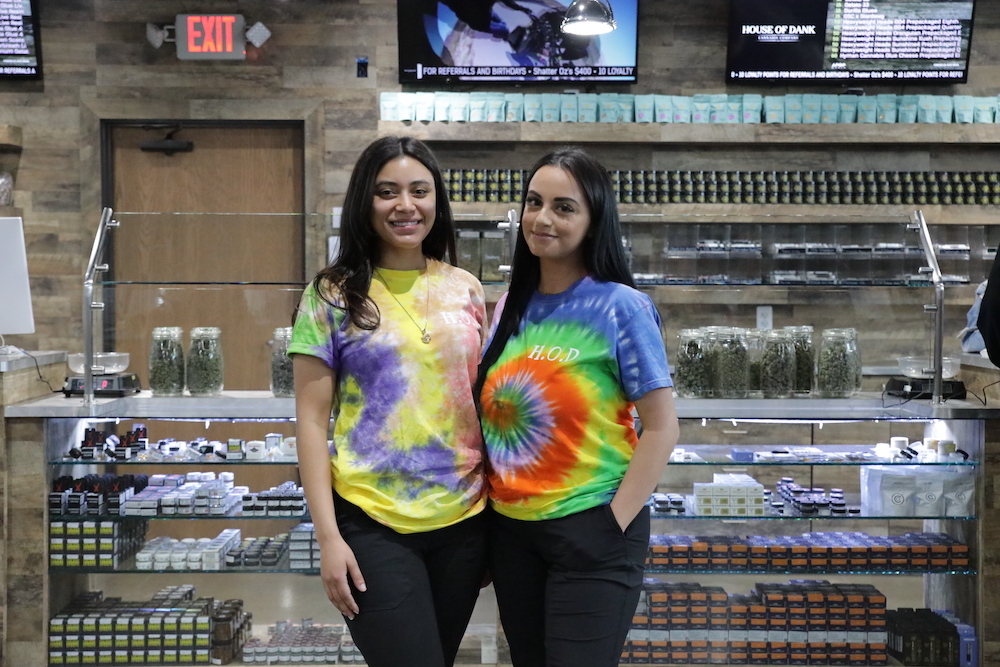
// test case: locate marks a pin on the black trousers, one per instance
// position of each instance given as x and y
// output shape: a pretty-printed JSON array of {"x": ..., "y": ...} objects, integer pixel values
[
  {"x": 422, "y": 588},
  {"x": 567, "y": 588}
]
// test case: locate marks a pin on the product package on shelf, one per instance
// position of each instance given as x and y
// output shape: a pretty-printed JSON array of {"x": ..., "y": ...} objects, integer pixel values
[{"x": 173, "y": 627}]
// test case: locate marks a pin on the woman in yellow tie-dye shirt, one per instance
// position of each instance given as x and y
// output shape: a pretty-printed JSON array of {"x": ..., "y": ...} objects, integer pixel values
[{"x": 387, "y": 339}]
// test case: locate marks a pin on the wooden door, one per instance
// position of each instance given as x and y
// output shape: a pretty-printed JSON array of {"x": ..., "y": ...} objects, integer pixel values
[
  {"x": 228, "y": 212},
  {"x": 224, "y": 224}
]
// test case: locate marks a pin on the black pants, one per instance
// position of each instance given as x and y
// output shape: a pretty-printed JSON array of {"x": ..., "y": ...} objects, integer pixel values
[
  {"x": 567, "y": 588},
  {"x": 422, "y": 588}
]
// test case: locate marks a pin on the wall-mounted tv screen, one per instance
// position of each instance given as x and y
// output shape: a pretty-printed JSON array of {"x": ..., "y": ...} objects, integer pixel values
[
  {"x": 20, "y": 46},
  {"x": 849, "y": 41},
  {"x": 510, "y": 40}
]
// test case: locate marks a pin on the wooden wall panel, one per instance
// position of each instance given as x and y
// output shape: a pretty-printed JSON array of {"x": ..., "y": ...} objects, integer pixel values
[{"x": 99, "y": 65}]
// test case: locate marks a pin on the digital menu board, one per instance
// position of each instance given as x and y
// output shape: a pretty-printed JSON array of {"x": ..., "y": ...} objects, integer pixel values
[
  {"x": 20, "y": 47},
  {"x": 905, "y": 41}
]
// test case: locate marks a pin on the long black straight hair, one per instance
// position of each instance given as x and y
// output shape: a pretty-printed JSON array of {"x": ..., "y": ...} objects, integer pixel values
[
  {"x": 351, "y": 270},
  {"x": 603, "y": 254}
]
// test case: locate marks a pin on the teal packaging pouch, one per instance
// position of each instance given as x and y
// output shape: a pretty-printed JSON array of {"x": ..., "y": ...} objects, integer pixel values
[
  {"x": 533, "y": 107},
  {"x": 645, "y": 106},
  {"x": 965, "y": 110},
  {"x": 752, "y": 105},
  {"x": 906, "y": 110},
  {"x": 945, "y": 108},
  {"x": 829, "y": 109},
  {"x": 682, "y": 108},
  {"x": 848, "y": 108},
  {"x": 888, "y": 107},
  {"x": 626, "y": 108},
  {"x": 868, "y": 110},
  {"x": 607, "y": 107},
  {"x": 701, "y": 109},
  {"x": 927, "y": 111},
  {"x": 984, "y": 109},
  {"x": 793, "y": 108},
  {"x": 663, "y": 108},
  {"x": 774, "y": 109},
  {"x": 568, "y": 108},
  {"x": 812, "y": 108},
  {"x": 477, "y": 107},
  {"x": 586, "y": 108},
  {"x": 513, "y": 107},
  {"x": 551, "y": 107}
]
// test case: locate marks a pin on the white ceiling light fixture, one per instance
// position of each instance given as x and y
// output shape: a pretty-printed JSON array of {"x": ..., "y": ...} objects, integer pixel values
[{"x": 589, "y": 17}]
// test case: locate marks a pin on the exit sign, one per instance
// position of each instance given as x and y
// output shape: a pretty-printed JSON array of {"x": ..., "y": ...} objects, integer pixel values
[{"x": 210, "y": 36}]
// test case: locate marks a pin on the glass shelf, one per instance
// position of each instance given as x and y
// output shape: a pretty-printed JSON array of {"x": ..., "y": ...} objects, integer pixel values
[
  {"x": 835, "y": 455},
  {"x": 206, "y": 461},
  {"x": 131, "y": 569},
  {"x": 174, "y": 517},
  {"x": 798, "y": 517},
  {"x": 190, "y": 283},
  {"x": 128, "y": 566},
  {"x": 824, "y": 572}
]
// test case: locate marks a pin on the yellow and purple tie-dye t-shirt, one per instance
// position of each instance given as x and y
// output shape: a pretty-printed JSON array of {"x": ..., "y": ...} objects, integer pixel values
[
  {"x": 407, "y": 447},
  {"x": 557, "y": 404}
]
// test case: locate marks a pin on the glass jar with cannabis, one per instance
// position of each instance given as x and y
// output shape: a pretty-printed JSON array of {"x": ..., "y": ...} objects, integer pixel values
[
  {"x": 693, "y": 365},
  {"x": 755, "y": 357},
  {"x": 166, "y": 362},
  {"x": 802, "y": 340},
  {"x": 205, "y": 362},
  {"x": 282, "y": 379},
  {"x": 777, "y": 365},
  {"x": 838, "y": 370},
  {"x": 729, "y": 379}
]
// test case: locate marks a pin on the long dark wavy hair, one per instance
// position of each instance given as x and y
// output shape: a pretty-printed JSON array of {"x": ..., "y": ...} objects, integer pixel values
[
  {"x": 351, "y": 270},
  {"x": 603, "y": 254}
]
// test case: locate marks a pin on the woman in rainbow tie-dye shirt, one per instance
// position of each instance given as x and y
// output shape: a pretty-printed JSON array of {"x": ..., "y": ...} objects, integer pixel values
[
  {"x": 575, "y": 349},
  {"x": 388, "y": 338}
]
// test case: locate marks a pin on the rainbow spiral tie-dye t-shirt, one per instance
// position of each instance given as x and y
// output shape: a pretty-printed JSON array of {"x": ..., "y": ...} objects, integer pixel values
[
  {"x": 557, "y": 404},
  {"x": 407, "y": 447}
]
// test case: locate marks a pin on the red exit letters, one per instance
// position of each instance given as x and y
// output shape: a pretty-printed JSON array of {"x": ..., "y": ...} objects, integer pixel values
[{"x": 210, "y": 36}]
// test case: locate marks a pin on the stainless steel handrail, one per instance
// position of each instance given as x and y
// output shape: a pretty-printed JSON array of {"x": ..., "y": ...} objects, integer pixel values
[
  {"x": 89, "y": 305},
  {"x": 511, "y": 227},
  {"x": 920, "y": 225}
]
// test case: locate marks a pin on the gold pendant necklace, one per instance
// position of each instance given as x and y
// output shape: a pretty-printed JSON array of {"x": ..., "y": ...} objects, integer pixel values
[{"x": 425, "y": 337}]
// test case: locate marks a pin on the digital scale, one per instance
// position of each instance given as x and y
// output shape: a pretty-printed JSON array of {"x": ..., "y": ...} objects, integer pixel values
[
  {"x": 112, "y": 384},
  {"x": 910, "y": 388}
]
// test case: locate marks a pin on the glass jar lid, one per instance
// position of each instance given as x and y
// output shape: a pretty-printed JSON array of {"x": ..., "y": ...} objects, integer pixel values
[
  {"x": 167, "y": 332},
  {"x": 206, "y": 332},
  {"x": 283, "y": 333}
]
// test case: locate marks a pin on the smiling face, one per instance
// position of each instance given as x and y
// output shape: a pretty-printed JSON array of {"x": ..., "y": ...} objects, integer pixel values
[
  {"x": 403, "y": 212},
  {"x": 556, "y": 220}
]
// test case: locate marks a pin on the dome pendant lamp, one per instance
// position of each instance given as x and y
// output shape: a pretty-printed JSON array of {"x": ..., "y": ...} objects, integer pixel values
[{"x": 589, "y": 17}]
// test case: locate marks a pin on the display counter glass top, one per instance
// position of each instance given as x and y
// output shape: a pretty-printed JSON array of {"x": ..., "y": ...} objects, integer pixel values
[{"x": 262, "y": 406}]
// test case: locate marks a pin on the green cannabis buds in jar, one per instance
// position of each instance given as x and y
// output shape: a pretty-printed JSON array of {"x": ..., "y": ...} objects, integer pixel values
[
  {"x": 693, "y": 365},
  {"x": 730, "y": 377},
  {"x": 166, "y": 362},
  {"x": 802, "y": 340},
  {"x": 205, "y": 363},
  {"x": 777, "y": 365},
  {"x": 838, "y": 371}
]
